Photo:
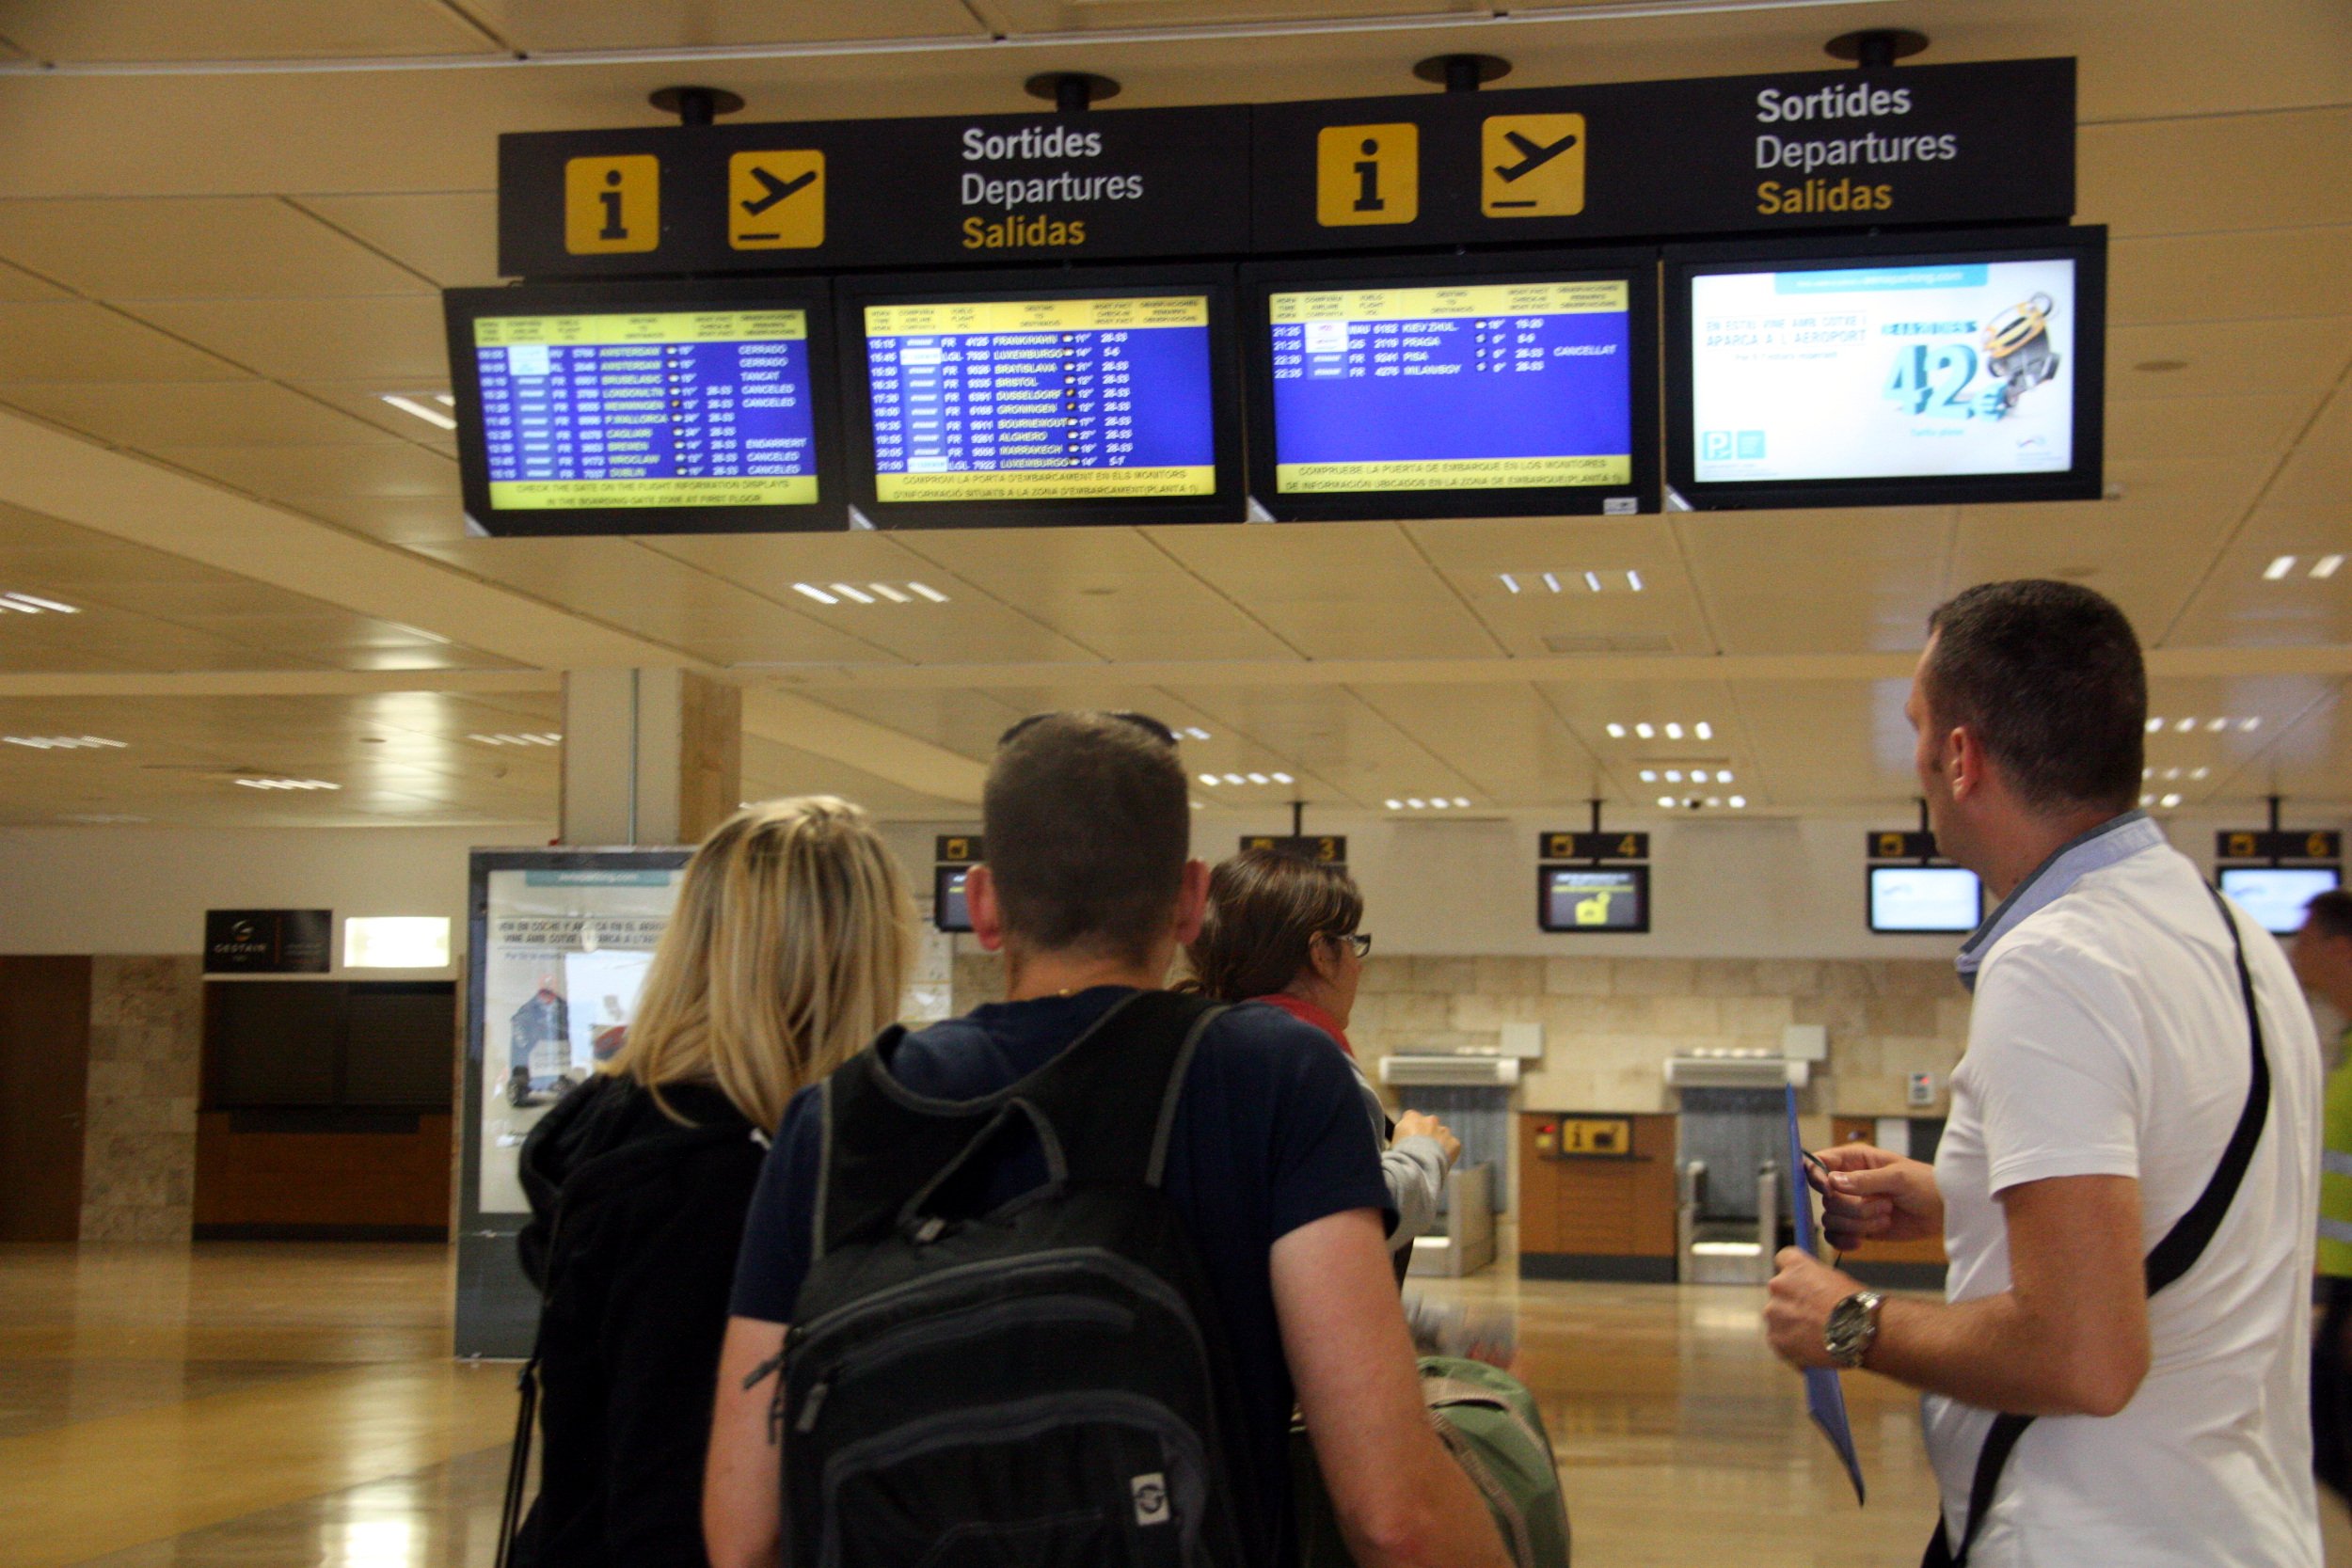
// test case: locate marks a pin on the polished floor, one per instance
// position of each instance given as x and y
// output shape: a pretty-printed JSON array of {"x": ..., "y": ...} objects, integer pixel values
[{"x": 251, "y": 1405}]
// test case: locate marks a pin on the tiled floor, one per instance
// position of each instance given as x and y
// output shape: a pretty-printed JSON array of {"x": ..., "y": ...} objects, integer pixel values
[{"x": 248, "y": 1405}]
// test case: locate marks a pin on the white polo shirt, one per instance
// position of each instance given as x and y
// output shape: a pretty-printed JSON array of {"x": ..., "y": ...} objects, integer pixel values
[{"x": 2109, "y": 1039}]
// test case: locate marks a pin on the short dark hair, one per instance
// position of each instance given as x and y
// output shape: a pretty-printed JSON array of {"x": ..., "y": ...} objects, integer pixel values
[
  {"x": 1267, "y": 907},
  {"x": 2048, "y": 677},
  {"x": 2329, "y": 913},
  {"x": 1086, "y": 823}
]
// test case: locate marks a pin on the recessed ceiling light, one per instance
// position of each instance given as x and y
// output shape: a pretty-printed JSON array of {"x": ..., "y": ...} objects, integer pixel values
[
  {"x": 1617, "y": 732},
  {"x": 1674, "y": 732},
  {"x": 33, "y": 604},
  {"x": 926, "y": 592},
  {"x": 64, "y": 742},
  {"x": 1714, "y": 800},
  {"x": 1210, "y": 780},
  {"x": 1674, "y": 775},
  {"x": 1633, "y": 581},
  {"x": 2171, "y": 773},
  {"x": 425, "y": 411},
  {"x": 1414, "y": 801},
  {"x": 2249, "y": 725},
  {"x": 812, "y": 591},
  {"x": 1645, "y": 731},
  {"x": 288, "y": 783},
  {"x": 855, "y": 595},
  {"x": 1234, "y": 779},
  {"x": 2199, "y": 772},
  {"x": 2182, "y": 726},
  {"x": 1260, "y": 778},
  {"x": 2326, "y": 566},
  {"x": 1592, "y": 581},
  {"x": 1704, "y": 730},
  {"x": 1396, "y": 805},
  {"x": 2279, "y": 568},
  {"x": 1462, "y": 802},
  {"x": 1195, "y": 731},
  {"x": 1740, "y": 802},
  {"x": 2154, "y": 724},
  {"x": 1649, "y": 775},
  {"x": 1667, "y": 801},
  {"x": 1723, "y": 775},
  {"x": 1551, "y": 580},
  {"x": 2214, "y": 726},
  {"x": 1439, "y": 804},
  {"x": 1283, "y": 779},
  {"x": 1509, "y": 581},
  {"x": 2147, "y": 799},
  {"x": 1698, "y": 775},
  {"x": 889, "y": 592},
  {"x": 2170, "y": 801}
]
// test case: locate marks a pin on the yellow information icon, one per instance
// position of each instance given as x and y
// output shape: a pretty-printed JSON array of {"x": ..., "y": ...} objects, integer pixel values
[
  {"x": 776, "y": 200},
  {"x": 1533, "y": 166},
  {"x": 1367, "y": 174},
  {"x": 612, "y": 205}
]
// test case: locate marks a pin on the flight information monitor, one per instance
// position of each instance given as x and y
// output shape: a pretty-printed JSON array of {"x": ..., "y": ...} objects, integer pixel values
[
  {"x": 2275, "y": 895},
  {"x": 1450, "y": 393},
  {"x": 950, "y": 910},
  {"x": 1044, "y": 406},
  {"x": 1925, "y": 898},
  {"x": 1916, "y": 377},
  {"x": 685, "y": 412},
  {"x": 1592, "y": 898}
]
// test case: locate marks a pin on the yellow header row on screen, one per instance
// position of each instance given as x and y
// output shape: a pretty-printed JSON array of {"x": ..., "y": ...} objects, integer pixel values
[
  {"x": 1483, "y": 299},
  {"x": 562, "y": 495},
  {"x": 652, "y": 326},
  {"x": 1028, "y": 485},
  {"x": 1036, "y": 316}
]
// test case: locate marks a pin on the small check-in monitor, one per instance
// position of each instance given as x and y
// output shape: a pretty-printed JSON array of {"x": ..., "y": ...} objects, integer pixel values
[
  {"x": 950, "y": 910},
  {"x": 1592, "y": 898},
  {"x": 2275, "y": 895},
  {"x": 1914, "y": 899}
]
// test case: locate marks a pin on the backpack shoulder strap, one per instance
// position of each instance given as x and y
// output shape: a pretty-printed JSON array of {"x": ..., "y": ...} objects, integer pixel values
[
  {"x": 2172, "y": 1257},
  {"x": 1102, "y": 1108}
]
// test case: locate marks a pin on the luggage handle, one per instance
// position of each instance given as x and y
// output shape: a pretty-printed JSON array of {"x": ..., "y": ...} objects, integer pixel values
[{"x": 913, "y": 1219}]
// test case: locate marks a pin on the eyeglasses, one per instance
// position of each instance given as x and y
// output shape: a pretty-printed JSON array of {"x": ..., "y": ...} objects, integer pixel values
[
  {"x": 1360, "y": 940},
  {"x": 1143, "y": 722}
]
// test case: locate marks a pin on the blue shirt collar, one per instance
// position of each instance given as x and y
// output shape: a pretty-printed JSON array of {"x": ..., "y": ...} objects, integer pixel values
[{"x": 2117, "y": 839}]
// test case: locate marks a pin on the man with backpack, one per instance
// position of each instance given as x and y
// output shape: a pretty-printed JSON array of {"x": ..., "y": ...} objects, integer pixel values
[
  {"x": 1057, "y": 1271},
  {"x": 2127, "y": 1181}
]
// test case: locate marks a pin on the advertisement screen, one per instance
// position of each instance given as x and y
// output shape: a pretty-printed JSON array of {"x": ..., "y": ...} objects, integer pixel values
[
  {"x": 656, "y": 408},
  {"x": 1890, "y": 372},
  {"x": 2275, "y": 895},
  {"x": 1925, "y": 898},
  {"x": 1020, "y": 400},
  {"x": 1472, "y": 386},
  {"x": 564, "y": 952},
  {"x": 1595, "y": 898}
]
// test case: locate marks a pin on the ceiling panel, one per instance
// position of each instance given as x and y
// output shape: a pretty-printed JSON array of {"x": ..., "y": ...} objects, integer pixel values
[
  {"x": 1549, "y": 604},
  {"x": 2228, "y": 358},
  {"x": 1334, "y": 589},
  {"x": 2188, "y": 176},
  {"x": 2310, "y": 765},
  {"x": 74, "y": 341},
  {"x": 407, "y": 520},
  {"x": 1590, "y": 708},
  {"x": 772, "y": 769},
  {"x": 1832, "y": 744},
  {"x": 2320, "y": 471},
  {"x": 148, "y": 415},
  {"x": 1113, "y": 591},
  {"x": 193, "y": 248},
  {"x": 1070, "y": 16},
  {"x": 450, "y": 236},
  {"x": 1866, "y": 579},
  {"x": 247, "y": 30},
  {"x": 544, "y": 24},
  {"x": 2247, "y": 274},
  {"x": 1330, "y": 734},
  {"x": 397, "y": 339},
  {"x": 2158, "y": 428},
  {"x": 2240, "y": 605},
  {"x": 16, "y": 284},
  {"x": 376, "y": 468},
  {"x": 364, "y": 401},
  {"x": 970, "y": 628},
  {"x": 1505, "y": 739},
  {"x": 2202, "y": 727}
]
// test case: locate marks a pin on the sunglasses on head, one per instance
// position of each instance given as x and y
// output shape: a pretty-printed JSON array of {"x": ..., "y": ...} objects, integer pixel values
[
  {"x": 1360, "y": 940},
  {"x": 1143, "y": 722}
]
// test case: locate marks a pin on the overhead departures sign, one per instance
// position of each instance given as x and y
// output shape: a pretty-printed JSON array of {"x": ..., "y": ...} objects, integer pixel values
[
  {"x": 650, "y": 409},
  {"x": 1501, "y": 386},
  {"x": 1042, "y": 399}
]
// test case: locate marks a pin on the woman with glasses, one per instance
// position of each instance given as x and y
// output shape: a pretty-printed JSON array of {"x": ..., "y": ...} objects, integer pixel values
[{"x": 1280, "y": 929}]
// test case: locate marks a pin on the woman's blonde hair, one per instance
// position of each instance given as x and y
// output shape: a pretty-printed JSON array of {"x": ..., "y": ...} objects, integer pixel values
[{"x": 789, "y": 951}]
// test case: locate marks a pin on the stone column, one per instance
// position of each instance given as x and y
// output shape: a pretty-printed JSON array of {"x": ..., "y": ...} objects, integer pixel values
[{"x": 650, "y": 756}]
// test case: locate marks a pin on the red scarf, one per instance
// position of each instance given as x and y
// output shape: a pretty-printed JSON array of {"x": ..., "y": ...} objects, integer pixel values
[{"x": 1307, "y": 1012}]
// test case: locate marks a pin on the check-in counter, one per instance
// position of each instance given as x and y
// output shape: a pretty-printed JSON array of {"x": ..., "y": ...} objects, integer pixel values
[{"x": 1597, "y": 1197}]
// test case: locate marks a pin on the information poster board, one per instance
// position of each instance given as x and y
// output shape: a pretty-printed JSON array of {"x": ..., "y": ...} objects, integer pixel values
[{"x": 562, "y": 940}]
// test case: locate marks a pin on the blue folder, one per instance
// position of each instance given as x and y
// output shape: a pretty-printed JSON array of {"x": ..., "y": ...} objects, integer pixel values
[{"x": 1824, "y": 1397}]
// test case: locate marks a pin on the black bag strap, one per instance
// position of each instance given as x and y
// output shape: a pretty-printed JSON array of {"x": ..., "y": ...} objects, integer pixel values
[
  {"x": 1101, "y": 1109},
  {"x": 2172, "y": 1257}
]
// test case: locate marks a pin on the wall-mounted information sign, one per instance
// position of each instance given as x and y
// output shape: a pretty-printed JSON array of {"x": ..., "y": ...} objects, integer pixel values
[
  {"x": 269, "y": 942},
  {"x": 1893, "y": 843},
  {"x": 958, "y": 849},
  {"x": 1595, "y": 847},
  {"x": 1585, "y": 1138},
  {"x": 2249, "y": 844},
  {"x": 1327, "y": 848}
]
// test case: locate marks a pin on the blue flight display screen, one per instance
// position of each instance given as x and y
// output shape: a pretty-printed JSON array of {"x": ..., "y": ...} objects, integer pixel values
[
  {"x": 1016, "y": 400},
  {"x": 1478, "y": 387}
]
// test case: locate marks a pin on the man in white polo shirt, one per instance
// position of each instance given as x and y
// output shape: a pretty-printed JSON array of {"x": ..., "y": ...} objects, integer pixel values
[{"x": 2128, "y": 1206}]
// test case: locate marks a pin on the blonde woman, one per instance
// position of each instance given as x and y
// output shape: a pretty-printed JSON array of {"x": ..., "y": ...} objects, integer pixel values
[{"x": 788, "y": 952}]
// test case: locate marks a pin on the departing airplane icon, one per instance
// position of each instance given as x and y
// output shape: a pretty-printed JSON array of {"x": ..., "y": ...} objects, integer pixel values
[
  {"x": 778, "y": 189},
  {"x": 1533, "y": 155}
]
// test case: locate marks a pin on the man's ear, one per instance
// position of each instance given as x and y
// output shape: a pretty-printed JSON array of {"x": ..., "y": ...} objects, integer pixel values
[
  {"x": 1192, "y": 902},
  {"x": 988, "y": 920},
  {"x": 1965, "y": 762}
]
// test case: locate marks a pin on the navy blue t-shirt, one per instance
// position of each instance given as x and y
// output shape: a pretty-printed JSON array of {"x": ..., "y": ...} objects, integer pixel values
[{"x": 1270, "y": 1134}]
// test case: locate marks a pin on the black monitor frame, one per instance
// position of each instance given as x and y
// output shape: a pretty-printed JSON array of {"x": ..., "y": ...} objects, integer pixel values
[
  {"x": 1640, "y": 873},
  {"x": 462, "y": 308},
  {"x": 1637, "y": 268},
  {"x": 1226, "y": 504},
  {"x": 1870, "y": 903},
  {"x": 2085, "y": 244},
  {"x": 941, "y": 877}
]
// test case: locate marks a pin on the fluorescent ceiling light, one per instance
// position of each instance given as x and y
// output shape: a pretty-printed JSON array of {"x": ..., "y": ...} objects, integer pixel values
[
  {"x": 1592, "y": 581},
  {"x": 856, "y": 596},
  {"x": 1633, "y": 581},
  {"x": 1674, "y": 775},
  {"x": 425, "y": 411},
  {"x": 1439, "y": 804},
  {"x": 1551, "y": 581},
  {"x": 2279, "y": 568},
  {"x": 288, "y": 783},
  {"x": 1210, "y": 780},
  {"x": 1644, "y": 731},
  {"x": 1396, "y": 805},
  {"x": 1285, "y": 778},
  {"x": 1698, "y": 775},
  {"x": 1195, "y": 731},
  {"x": 1462, "y": 802},
  {"x": 1509, "y": 581},
  {"x": 1674, "y": 732},
  {"x": 2184, "y": 726},
  {"x": 1704, "y": 730},
  {"x": 1666, "y": 800},
  {"x": 2326, "y": 566},
  {"x": 2249, "y": 725},
  {"x": 812, "y": 591},
  {"x": 1740, "y": 802},
  {"x": 1258, "y": 779},
  {"x": 1234, "y": 779},
  {"x": 2170, "y": 801},
  {"x": 33, "y": 604},
  {"x": 1415, "y": 803},
  {"x": 889, "y": 592},
  {"x": 396, "y": 942},
  {"x": 64, "y": 742},
  {"x": 2199, "y": 772},
  {"x": 1649, "y": 775},
  {"x": 1723, "y": 775},
  {"x": 1617, "y": 732},
  {"x": 931, "y": 593},
  {"x": 2154, "y": 724}
]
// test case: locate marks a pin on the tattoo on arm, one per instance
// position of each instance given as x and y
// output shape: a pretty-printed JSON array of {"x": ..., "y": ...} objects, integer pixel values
[{"x": 762, "y": 1373}]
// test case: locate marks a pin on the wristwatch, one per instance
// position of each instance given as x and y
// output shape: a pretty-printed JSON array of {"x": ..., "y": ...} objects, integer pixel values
[{"x": 1853, "y": 1324}]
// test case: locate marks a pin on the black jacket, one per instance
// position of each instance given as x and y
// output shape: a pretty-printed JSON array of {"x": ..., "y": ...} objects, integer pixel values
[{"x": 635, "y": 1221}]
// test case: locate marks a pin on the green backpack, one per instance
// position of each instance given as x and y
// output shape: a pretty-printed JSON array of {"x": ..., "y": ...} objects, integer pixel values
[{"x": 1489, "y": 1423}]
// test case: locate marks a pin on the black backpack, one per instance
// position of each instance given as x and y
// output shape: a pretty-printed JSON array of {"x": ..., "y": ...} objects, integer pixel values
[{"x": 1042, "y": 1386}]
